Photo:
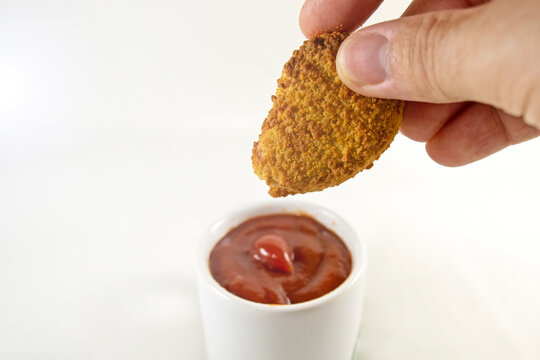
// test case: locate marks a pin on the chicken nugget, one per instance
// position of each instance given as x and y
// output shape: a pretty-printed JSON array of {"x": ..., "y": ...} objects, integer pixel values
[{"x": 318, "y": 132}]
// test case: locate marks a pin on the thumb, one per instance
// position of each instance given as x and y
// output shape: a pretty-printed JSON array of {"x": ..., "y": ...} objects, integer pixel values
[{"x": 476, "y": 54}]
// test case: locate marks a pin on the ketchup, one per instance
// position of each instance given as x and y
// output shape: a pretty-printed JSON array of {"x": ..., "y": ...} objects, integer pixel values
[
  {"x": 274, "y": 253},
  {"x": 280, "y": 259}
]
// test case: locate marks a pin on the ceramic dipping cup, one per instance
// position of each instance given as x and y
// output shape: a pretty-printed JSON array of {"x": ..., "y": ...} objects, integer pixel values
[{"x": 325, "y": 328}]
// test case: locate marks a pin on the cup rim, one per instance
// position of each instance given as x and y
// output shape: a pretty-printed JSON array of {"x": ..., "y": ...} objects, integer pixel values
[{"x": 358, "y": 253}]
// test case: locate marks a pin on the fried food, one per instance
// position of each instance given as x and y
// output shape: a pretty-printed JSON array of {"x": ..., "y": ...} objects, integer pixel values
[{"x": 319, "y": 133}]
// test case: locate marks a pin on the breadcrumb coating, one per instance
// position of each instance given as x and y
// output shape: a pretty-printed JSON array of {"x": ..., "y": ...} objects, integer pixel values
[{"x": 320, "y": 133}]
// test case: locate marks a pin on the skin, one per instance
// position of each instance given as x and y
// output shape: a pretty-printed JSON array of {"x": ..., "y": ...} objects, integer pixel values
[{"x": 468, "y": 69}]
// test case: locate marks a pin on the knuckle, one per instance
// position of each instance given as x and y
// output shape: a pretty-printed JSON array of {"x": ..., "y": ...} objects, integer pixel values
[
  {"x": 531, "y": 107},
  {"x": 429, "y": 55}
]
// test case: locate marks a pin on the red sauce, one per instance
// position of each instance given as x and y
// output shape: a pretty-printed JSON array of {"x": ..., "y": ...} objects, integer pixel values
[{"x": 280, "y": 259}]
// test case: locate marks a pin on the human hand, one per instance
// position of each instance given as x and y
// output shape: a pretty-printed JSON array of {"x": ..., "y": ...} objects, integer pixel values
[{"x": 469, "y": 69}]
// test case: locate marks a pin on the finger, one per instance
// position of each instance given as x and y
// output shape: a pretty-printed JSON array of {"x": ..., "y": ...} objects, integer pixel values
[
  {"x": 421, "y": 121},
  {"x": 424, "y": 6},
  {"x": 479, "y": 131},
  {"x": 447, "y": 56},
  {"x": 414, "y": 58},
  {"x": 321, "y": 16}
]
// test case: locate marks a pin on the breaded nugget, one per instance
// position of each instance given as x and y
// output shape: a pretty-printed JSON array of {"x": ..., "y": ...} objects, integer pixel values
[{"x": 319, "y": 133}]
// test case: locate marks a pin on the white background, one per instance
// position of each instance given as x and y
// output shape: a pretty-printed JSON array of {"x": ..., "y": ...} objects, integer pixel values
[{"x": 126, "y": 127}]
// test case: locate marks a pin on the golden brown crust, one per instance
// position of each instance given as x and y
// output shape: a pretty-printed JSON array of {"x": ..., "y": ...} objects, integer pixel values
[{"x": 319, "y": 133}]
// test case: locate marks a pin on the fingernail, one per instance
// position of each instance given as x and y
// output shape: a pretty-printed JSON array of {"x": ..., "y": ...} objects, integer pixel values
[{"x": 363, "y": 59}]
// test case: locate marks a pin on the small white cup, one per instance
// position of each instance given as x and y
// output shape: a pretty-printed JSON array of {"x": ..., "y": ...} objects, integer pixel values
[{"x": 324, "y": 328}]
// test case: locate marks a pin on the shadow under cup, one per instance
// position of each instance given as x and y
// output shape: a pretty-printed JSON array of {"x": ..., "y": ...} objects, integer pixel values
[{"x": 320, "y": 329}]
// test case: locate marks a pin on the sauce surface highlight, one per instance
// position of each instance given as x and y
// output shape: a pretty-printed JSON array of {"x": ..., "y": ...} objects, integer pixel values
[{"x": 280, "y": 259}]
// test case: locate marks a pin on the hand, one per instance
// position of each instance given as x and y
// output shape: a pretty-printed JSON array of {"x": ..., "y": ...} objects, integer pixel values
[{"x": 469, "y": 69}]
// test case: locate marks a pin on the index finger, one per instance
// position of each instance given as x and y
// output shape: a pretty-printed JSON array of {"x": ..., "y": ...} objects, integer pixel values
[{"x": 322, "y": 16}]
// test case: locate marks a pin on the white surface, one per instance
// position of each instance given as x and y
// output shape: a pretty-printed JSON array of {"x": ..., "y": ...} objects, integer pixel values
[
  {"x": 320, "y": 329},
  {"x": 126, "y": 128}
]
